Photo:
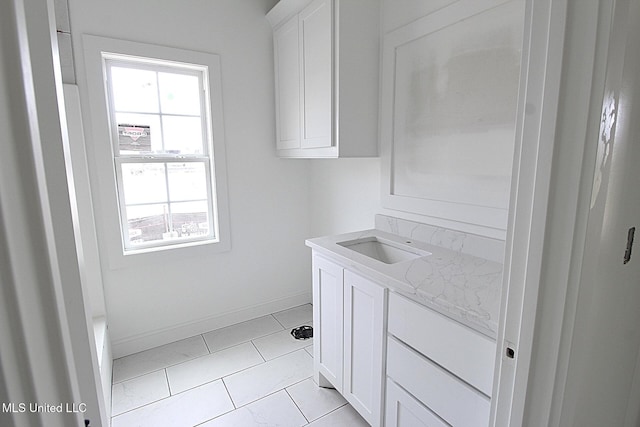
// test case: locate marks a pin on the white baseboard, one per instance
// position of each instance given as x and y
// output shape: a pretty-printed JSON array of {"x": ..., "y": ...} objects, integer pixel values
[{"x": 141, "y": 342}]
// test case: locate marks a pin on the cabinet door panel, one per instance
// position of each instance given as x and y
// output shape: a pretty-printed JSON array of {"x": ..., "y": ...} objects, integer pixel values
[
  {"x": 327, "y": 321},
  {"x": 403, "y": 410},
  {"x": 364, "y": 306},
  {"x": 316, "y": 74},
  {"x": 287, "y": 69}
]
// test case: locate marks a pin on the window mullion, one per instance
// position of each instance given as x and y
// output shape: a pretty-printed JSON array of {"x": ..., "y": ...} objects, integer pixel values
[
  {"x": 207, "y": 133},
  {"x": 160, "y": 110},
  {"x": 211, "y": 190},
  {"x": 166, "y": 179},
  {"x": 121, "y": 200}
]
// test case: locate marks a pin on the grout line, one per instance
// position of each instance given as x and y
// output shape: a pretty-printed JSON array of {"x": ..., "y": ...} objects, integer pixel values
[
  {"x": 229, "y": 394},
  {"x": 142, "y": 406},
  {"x": 205, "y": 343},
  {"x": 254, "y": 346},
  {"x": 263, "y": 397},
  {"x": 287, "y": 353},
  {"x": 216, "y": 417},
  {"x": 279, "y": 323},
  {"x": 166, "y": 375},
  {"x": 332, "y": 411},
  {"x": 138, "y": 376},
  {"x": 296, "y": 403}
]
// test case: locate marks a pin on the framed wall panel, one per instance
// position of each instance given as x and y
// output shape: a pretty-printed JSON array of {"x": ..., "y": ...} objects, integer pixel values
[{"x": 450, "y": 83}]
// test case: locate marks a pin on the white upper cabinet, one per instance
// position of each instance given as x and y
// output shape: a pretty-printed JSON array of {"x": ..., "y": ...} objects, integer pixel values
[{"x": 326, "y": 77}]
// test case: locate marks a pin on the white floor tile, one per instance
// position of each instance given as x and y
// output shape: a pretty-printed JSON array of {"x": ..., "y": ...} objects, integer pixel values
[
  {"x": 158, "y": 358},
  {"x": 309, "y": 350},
  {"x": 278, "y": 344},
  {"x": 295, "y": 316},
  {"x": 138, "y": 392},
  {"x": 346, "y": 416},
  {"x": 182, "y": 410},
  {"x": 242, "y": 332},
  {"x": 266, "y": 378},
  {"x": 314, "y": 401},
  {"x": 275, "y": 410},
  {"x": 212, "y": 367}
]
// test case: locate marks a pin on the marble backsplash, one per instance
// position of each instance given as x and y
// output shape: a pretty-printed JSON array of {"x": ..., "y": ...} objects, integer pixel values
[{"x": 471, "y": 244}]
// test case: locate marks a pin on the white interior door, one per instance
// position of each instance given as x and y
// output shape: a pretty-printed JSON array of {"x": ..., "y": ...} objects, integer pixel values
[
  {"x": 606, "y": 336},
  {"x": 566, "y": 352}
]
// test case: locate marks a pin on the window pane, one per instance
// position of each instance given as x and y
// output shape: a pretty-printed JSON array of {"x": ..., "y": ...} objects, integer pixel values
[
  {"x": 182, "y": 135},
  {"x": 134, "y": 90},
  {"x": 144, "y": 183},
  {"x": 147, "y": 223},
  {"x": 179, "y": 94},
  {"x": 150, "y": 120},
  {"x": 190, "y": 219},
  {"x": 187, "y": 181}
]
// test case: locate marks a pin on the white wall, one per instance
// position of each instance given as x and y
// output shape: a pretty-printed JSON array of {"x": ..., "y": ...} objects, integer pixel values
[
  {"x": 344, "y": 195},
  {"x": 268, "y": 197}
]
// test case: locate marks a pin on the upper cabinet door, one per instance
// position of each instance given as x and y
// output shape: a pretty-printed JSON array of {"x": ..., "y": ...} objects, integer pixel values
[
  {"x": 316, "y": 67},
  {"x": 287, "y": 70}
]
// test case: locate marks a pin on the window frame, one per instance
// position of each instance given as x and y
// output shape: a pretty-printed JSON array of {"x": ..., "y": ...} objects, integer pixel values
[
  {"x": 101, "y": 151},
  {"x": 136, "y": 63}
]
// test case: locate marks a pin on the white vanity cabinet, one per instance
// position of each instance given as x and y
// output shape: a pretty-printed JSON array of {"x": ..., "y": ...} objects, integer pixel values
[
  {"x": 436, "y": 366},
  {"x": 401, "y": 356},
  {"x": 349, "y": 336},
  {"x": 326, "y": 57}
]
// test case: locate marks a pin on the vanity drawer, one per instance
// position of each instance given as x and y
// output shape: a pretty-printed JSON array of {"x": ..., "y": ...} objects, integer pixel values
[
  {"x": 447, "y": 396},
  {"x": 464, "y": 352}
]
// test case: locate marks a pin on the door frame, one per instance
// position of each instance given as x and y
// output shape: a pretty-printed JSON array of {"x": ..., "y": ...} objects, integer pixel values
[
  {"x": 47, "y": 356},
  {"x": 563, "y": 81}
]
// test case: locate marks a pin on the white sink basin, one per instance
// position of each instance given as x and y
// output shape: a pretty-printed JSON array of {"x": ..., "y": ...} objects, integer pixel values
[{"x": 383, "y": 250}]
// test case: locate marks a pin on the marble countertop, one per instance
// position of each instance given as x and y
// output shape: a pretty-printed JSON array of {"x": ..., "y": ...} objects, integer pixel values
[{"x": 463, "y": 287}]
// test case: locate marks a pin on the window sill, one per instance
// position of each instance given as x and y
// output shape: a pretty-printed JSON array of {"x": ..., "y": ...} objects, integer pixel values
[
  {"x": 169, "y": 247},
  {"x": 118, "y": 259}
]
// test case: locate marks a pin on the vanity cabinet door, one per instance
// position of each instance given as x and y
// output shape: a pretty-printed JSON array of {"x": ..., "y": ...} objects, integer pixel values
[
  {"x": 364, "y": 331},
  {"x": 404, "y": 410},
  {"x": 287, "y": 70},
  {"x": 327, "y": 323}
]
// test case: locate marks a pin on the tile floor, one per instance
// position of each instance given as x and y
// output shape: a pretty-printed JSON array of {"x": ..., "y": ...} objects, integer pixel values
[{"x": 250, "y": 374}]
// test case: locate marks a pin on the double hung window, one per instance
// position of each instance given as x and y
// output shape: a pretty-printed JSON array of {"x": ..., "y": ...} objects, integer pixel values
[{"x": 160, "y": 121}]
